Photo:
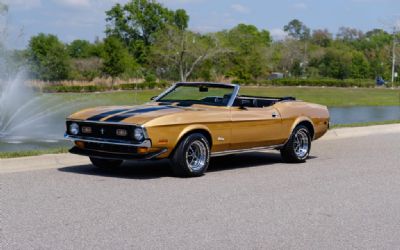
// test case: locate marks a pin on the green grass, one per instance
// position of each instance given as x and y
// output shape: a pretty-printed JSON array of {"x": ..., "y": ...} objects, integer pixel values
[
  {"x": 6, "y": 155},
  {"x": 365, "y": 124},
  {"x": 334, "y": 97}
]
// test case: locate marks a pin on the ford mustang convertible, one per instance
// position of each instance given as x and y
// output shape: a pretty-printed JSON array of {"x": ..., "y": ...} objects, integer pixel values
[{"x": 190, "y": 122}]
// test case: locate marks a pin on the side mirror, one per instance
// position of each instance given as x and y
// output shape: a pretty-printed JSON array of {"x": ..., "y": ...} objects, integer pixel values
[{"x": 153, "y": 98}]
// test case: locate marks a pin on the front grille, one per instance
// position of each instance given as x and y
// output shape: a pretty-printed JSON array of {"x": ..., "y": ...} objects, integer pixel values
[
  {"x": 110, "y": 148},
  {"x": 104, "y": 131}
]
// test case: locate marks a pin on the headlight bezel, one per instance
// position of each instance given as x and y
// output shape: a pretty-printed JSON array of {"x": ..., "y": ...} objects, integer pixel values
[
  {"x": 139, "y": 134},
  {"x": 74, "y": 128}
]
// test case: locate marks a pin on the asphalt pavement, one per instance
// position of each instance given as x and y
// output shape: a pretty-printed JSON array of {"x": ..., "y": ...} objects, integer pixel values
[{"x": 347, "y": 196}]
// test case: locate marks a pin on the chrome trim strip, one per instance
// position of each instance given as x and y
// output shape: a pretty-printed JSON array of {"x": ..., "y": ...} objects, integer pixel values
[
  {"x": 167, "y": 91},
  {"x": 239, "y": 151},
  {"x": 231, "y": 100},
  {"x": 234, "y": 95},
  {"x": 144, "y": 144},
  {"x": 157, "y": 154},
  {"x": 104, "y": 123}
]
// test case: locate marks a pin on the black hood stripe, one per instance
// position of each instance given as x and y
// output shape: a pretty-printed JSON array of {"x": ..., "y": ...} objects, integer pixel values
[
  {"x": 130, "y": 113},
  {"x": 105, "y": 114}
]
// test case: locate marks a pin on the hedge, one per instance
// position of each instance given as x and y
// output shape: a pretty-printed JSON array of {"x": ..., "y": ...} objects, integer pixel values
[
  {"x": 362, "y": 83},
  {"x": 348, "y": 83},
  {"x": 102, "y": 88}
]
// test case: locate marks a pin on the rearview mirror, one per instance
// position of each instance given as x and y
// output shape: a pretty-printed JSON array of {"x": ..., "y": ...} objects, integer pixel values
[{"x": 203, "y": 89}]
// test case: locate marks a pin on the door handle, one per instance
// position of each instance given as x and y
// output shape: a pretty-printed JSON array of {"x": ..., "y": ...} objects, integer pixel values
[{"x": 274, "y": 115}]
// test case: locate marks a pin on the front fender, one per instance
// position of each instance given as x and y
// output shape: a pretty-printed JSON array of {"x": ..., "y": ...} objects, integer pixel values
[{"x": 193, "y": 127}]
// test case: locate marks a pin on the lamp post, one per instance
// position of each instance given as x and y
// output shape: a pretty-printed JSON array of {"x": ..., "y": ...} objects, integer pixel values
[{"x": 393, "y": 58}]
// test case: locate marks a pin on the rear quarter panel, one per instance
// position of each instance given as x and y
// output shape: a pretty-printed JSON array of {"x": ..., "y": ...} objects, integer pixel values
[{"x": 294, "y": 112}]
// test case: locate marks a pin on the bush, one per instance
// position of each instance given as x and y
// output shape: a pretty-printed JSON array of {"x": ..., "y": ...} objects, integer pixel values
[
  {"x": 101, "y": 88},
  {"x": 323, "y": 82}
]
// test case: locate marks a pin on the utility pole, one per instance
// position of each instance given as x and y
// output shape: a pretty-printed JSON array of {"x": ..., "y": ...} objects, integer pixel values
[{"x": 393, "y": 57}]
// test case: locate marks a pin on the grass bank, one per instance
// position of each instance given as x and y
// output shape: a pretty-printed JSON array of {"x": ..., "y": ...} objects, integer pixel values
[
  {"x": 364, "y": 124},
  {"x": 18, "y": 154}
]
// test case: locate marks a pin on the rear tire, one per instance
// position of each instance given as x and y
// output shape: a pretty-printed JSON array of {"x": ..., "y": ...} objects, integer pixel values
[
  {"x": 105, "y": 163},
  {"x": 297, "y": 149},
  {"x": 192, "y": 156}
]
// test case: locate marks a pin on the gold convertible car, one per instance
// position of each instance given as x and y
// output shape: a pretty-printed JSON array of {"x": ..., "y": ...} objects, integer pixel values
[{"x": 190, "y": 122}]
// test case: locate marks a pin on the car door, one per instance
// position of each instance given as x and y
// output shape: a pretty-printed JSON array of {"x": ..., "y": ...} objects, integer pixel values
[{"x": 255, "y": 127}]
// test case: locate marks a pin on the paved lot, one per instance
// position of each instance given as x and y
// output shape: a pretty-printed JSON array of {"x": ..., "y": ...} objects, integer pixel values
[{"x": 346, "y": 197}]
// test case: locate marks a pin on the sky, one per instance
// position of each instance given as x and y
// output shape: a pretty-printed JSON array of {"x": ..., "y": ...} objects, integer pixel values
[{"x": 85, "y": 19}]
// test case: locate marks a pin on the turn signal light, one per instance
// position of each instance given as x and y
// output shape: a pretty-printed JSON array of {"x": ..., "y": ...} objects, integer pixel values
[
  {"x": 80, "y": 144},
  {"x": 142, "y": 150}
]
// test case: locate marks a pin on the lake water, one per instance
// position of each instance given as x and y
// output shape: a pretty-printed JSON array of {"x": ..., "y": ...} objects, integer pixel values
[
  {"x": 339, "y": 115},
  {"x": 348, "y": 115}
]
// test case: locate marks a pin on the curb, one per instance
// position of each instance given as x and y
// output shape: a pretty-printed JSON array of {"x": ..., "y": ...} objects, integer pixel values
[{"x": 343, "y": 133}]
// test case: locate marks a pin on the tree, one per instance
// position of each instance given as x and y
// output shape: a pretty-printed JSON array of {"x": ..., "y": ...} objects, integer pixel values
[
  {"x": 336, "y": 63},
  {"x": 347, "y": 34},
  {"x": 359, "y": 66},
  {"x": 136, "y": 22},
  {"x": 181, "y": 19},
  {"x": 245, "y": 51},
  {"x": 3, "y": 8},
  {"x": 48, "y": 58},
  {"x": 297, "y": 30},
  {"x": 80, "y": 49},
  {"x": 322, "y": 38},
  {"x": 116, "y": 58},
  {"x": 181, "y": 51}
]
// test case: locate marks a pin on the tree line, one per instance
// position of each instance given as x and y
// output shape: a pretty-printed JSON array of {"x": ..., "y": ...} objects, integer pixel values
[{"x": 144, "y": 39}]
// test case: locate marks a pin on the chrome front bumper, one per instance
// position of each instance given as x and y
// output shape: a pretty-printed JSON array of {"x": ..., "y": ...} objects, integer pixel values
[
  {"x": 144, "y": 144},
  {"x": 113, "y": 154}
]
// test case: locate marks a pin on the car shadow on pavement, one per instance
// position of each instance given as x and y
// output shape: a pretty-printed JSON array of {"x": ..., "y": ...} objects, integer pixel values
[{"x": 160, "y": 169}]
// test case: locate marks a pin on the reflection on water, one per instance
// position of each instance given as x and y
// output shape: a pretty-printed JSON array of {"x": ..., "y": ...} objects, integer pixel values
[
  {"x": 54, "y": 127},
  {"x": 348, "y": 115}
]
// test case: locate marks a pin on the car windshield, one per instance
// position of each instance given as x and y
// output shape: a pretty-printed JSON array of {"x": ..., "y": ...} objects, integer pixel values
[{"x": 186, "y": 95}]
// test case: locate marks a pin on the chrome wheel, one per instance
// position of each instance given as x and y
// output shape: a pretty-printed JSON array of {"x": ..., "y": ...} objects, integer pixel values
[
  {"x": 301, "y": 143},
  {"x": 196, "y": 155}
]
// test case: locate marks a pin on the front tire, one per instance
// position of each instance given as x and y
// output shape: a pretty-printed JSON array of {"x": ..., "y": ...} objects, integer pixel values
[
  {"x": 192, "y": 156},
  {"x": 105, "y": 163},
  {"x": 297, "y": 149}
]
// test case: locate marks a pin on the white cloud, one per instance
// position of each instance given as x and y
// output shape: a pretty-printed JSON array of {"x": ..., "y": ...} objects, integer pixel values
[
  {"x": 240, "y": 8},
  {"x": 278, "y": 34},
  {"x": 299, "y": 6}
]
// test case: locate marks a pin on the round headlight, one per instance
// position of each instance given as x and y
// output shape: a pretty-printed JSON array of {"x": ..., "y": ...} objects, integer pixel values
[
  {"x": 138, "y": 134},
  {"x": 74, "y": 128}
]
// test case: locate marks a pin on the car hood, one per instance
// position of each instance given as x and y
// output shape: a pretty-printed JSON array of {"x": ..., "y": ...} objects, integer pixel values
[{"x": 127, "y": 114}]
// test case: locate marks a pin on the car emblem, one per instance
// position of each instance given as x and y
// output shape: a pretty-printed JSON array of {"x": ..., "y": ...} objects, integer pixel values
[{"x": 102, "y": 131}]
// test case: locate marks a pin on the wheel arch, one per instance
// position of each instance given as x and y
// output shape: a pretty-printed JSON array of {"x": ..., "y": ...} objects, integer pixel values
[
  {"x": 201, "y": 129},
  {"x": 305, "y": 121}
]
